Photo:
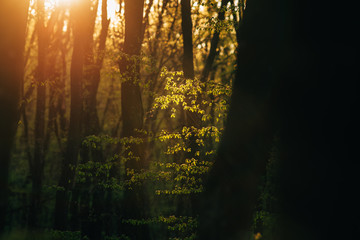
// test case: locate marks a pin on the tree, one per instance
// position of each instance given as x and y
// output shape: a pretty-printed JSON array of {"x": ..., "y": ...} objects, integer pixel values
[
  {"x": 131, "y": 103},
  {"x": 95, "y": 53},
  {"x": 79, "y": 13},
  {"x": 285, "y": 83},
  {"x": 11, "y": 73},
  {"x": 94, "y": 57},
  {"x": 132, "y": 111},
  {"x": 186, "y": 26},
  {"x": 128, "y": 171},
  {"x": 38, "y": 161},
  {"x": 214, "y": 43}
]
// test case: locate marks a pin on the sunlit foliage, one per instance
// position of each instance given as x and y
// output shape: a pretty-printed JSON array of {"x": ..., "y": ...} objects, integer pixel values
[{"x": 174, "y": 171}]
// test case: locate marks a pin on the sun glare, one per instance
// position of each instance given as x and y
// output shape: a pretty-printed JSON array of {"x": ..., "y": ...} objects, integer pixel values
[
  {"x": 112, "y": 5},
  {"x": 62, "y": 2}
]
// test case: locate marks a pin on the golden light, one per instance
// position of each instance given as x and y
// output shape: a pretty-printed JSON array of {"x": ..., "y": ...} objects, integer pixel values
[
  {"x": 112, "y": 5},
  {"x": 63, "y": 2}
]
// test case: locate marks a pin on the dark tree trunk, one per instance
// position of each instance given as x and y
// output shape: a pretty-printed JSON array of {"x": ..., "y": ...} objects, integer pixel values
[
  {"x": 186, "y": 26},
  {"x": 92, "y": 225},
  {"x": 93, "y": 64},
  {"x": 37, "y": 163},
  {"x": 232, "y": 188},
  {"x": 289, "y": 67},
  {"x": 131, "y": 103},
  {"x": 134, "y": 206},
  {"x": 80, "y": 203},
  {"x": 192, "y": 119},
  {"x": 92, "y": 67},
  {"x": 13, "y": 18},
  {"x": 66, "y": 181},
  {"x": 214, "y": 44}
]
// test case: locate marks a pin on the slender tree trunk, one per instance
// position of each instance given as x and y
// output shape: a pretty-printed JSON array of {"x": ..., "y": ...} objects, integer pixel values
[
  {"x": 92, "y": 225},
  {"x": 60, "y": 104},
  {"x": 80, "y": 200},
  {"x": 131, "y": 103},
  {"x": 74, "y": 136},
  {"x": 12, "y": 43},
  {"x": 186, "y": 26},
  {"x": 54, "y": 75},
  {"x": 214, "y": 44},
  {"x": 37, "y": 164},
  {"x": 134, "y": 206},
  {"x": 191, "y": 118},
  {"x": 93, "y": 65},
  {"x": 91, "y": 78},
  {"x": 209, "y": 62}
]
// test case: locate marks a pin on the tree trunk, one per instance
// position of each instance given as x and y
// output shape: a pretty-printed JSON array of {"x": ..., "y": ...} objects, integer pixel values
[
  {"x": 192, "y": 119},
  {"x": 214, "y": 44},
  {"x": 74, "y": 135},
  {"x": 37, "y": 164},
  {"x": 92, "y": 225},
  {"x": 135, "y": 203},
  {"x": 186, "y": 26},
  {"x": 12, "y": 44},
  {"x": 131, "y": 103},
  {"x": 242, "y": 155},
  {"x": 289, "y": 68}
]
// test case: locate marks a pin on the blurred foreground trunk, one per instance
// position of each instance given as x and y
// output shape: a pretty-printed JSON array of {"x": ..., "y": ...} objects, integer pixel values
[
  {"x": 297, "y": 79},
  {"x": 13, "y": 18}
]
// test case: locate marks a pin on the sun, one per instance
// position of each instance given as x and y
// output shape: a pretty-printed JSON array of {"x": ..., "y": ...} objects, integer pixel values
[
  {"x": 63, "y": 2},
  {"x": 112, "y": 5}
]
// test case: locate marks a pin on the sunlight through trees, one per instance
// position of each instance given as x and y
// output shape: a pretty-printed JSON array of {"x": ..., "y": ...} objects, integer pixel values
[{"x": 177, "y": 119}]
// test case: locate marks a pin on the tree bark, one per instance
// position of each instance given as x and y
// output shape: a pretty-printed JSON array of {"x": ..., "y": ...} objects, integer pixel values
[
  {"x": 12, "y": 44},
  {"x": 92, "y": 225},
  {"x": 243, "y": 152},
  {"x": 288, "y": 71},
  {"x": 214, "y": 44},
  {"x": 131, "y": 103},
  {"x": 66, "y": 181},
  {"x": 134, "y": 206},
  {"x": 37, "y": 164},
  {"x": 191, "y": 118},
  {"x": 186, "y": 26}
]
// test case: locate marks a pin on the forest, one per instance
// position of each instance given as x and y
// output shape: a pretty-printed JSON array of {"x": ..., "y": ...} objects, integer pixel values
[{"x": 178, "y": 119}]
